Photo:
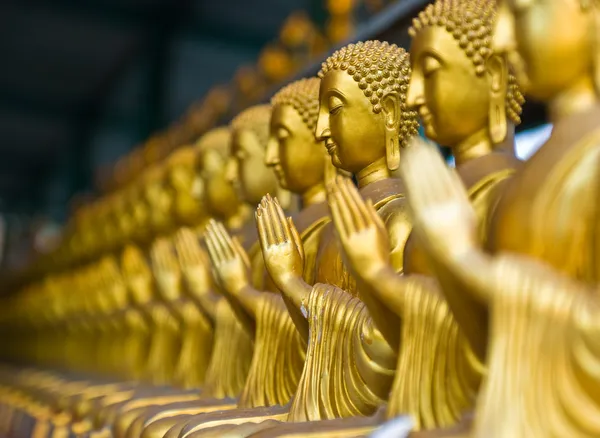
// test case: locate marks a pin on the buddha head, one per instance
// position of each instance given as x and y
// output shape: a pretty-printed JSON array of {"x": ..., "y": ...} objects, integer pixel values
[
  {"x": 458, "y": 85},
  {"x": 247, "y": 170},
  {"x": 123, "y": 213},
  {"x": 552, "y": 45},
  {"x": 296, "y": 156},
  {"x": 185, "y": 182},
  {"x": 106, "y": 222},
  {"x": 140, "y": 210},
  {"x": 159, "y": 198},
  {"x": 219, "y": 195},
  {"x": 363, "y": 115}
]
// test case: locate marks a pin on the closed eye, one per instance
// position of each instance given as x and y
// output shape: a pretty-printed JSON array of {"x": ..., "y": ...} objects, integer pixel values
[
  {"x": 333, "y": 111},
  {"x": 430, "y": 65},
  {"x": 335, "y": 105}
]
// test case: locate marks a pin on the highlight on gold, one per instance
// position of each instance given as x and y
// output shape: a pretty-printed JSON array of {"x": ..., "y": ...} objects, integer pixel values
[{"x": 363, "y": 255}]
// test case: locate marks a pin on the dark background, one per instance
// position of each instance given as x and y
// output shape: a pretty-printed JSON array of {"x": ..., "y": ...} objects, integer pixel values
[{"x": 83, "y": 82}]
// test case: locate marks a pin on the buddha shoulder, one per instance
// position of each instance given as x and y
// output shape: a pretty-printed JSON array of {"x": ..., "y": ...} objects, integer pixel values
[{"x": 555, "y": 193}]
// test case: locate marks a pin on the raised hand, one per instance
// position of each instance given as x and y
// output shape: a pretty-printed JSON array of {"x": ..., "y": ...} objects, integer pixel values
[
  {"x": 282, "y": 248},
  {"x": 193, "y": 261},
  {"x": 165, "y": 269},
  {"x": 137, "y": 275},
  {"x": 442, "y": 214},
  {"x": 229, "y": 259},
  {"x": 360, "y": 230}
]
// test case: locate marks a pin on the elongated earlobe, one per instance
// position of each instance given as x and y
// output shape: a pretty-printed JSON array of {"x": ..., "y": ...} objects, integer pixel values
[
  {"x": 498, "y": 74},
  {"x": 391, "y": 112}
]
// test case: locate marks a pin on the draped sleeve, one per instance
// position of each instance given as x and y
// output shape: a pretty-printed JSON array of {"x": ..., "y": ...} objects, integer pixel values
[
  {"x": 349, "y": 367},
  {"x": 278, "y": 356},
  {"x": 227, "y": 373},
  {"x": 437, "y": 376},
  {"x": 544, "y": 355}
]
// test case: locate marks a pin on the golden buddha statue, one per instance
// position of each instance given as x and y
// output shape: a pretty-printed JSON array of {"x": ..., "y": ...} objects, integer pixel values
[
  {"x": 300, "y": 163},
  {"x": 336, "y": 322},
  {"x": 245, "y": 170},
  {"x": 539, "y": 289},
  {"x": 224, "y": 378},
  {"x": 366, "y": 82},
  {"x": 138, "y": 279},
  {"x": 183, "y": 177},
  {"x": 481, "y": 144}
]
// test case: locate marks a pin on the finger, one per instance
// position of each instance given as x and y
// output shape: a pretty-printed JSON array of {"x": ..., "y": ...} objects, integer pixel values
[
  {"x": 336, "y": 215},
  {"x": 296, "y": 237},
  {"x": 276, "y": 224},
  {"x": 211, "y": 249},
  {"x": 348, "y": 208},
  {"x": 193, "y": 247},
  {"x": 268, "y": 222},
  {"x": 283, "y": 220},
  {"x": 374, "y": 217},
  {"x": 217, "y": 243},
  {"x": 262, "y": 232},
  {"x": 240, "y": 251},
  {"x": 343, "y": 213},
  {"x": 225, "y": 240},
  {"x": 357, "y": 201},
  {"x": 181, "y": 249}
]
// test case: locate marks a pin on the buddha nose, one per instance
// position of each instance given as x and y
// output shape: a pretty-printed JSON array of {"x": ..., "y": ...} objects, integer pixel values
[
  {"x": 322, "y": 131},
  {"x": 271, "y": 157},
  {"x": 231, "y": 170},
  {"x": 415, "y": 97}
]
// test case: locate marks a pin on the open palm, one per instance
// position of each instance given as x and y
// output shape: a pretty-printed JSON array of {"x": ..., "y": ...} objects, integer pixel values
[
  {"x": 443, "y": 216},
  {"x": 360, "y": 230},
  {"x": 229, "y": 259},
  {"x": 282, "y": 248}
]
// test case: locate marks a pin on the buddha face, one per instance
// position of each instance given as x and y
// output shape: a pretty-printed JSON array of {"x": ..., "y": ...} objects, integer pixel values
[
  {"x": 293, "y": 152},
  {"x": 354, "y": 135},
  {"x": 246, "y": 169},
  {"x": 550, "y": 43},
  {"x": 188, "y": 191},
  {"x": 219, "y": 195},
  {"x": 451, "y": 99}
]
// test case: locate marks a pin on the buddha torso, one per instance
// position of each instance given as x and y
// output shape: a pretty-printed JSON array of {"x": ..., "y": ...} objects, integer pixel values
[
  {"x": 341, "y": 330},
  {"x": 388, "y": 200},
  {"x": 437, "y": 375},
  {"x": 485, "y": 179},
  {"x": 549, "y": 213},
  {"x": 279, "y": 349},
  {"x": 547, "y": 210}
]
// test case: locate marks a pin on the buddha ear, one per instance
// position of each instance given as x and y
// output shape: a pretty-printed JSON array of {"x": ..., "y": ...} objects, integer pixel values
[
  {"x": 390, "y": 107},
  {"x": 497, "y": 70}
]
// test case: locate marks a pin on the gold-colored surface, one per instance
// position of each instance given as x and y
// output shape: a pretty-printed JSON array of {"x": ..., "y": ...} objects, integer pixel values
[
  {"x": 540, "y": 298},
  {"x": 425, "y": 291}
]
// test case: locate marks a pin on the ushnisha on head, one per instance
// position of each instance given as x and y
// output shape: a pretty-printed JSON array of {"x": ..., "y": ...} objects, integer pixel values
[
  {"x": 363, "y": 114},
  {"x": 246, "y": 167},
  {"x": 458, "y": 83},
  {"x": 296, "y": 156}
]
